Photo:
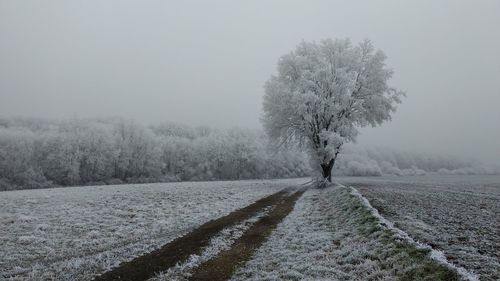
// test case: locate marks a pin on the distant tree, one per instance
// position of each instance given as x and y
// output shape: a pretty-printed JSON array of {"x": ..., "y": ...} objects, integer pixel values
[
  {"x": 96, "y": 147},
  {"x": 138, "y": 155},
  {"x": 323, "y": 93},
  {"x": 18, "y": 167},
  {"x": 61, "y": 160}
]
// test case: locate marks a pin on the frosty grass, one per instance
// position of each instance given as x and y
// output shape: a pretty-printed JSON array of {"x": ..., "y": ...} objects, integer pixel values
[
  {"x": 78, "y": 232},
  {"x": 331, "y": 235},
  {"x": 457, "y": 215}
]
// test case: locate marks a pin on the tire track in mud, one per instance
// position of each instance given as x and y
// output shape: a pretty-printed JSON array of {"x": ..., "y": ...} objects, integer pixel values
[
  {"x": 224, "y": 265},
  {"x": 180, "y": 249}
]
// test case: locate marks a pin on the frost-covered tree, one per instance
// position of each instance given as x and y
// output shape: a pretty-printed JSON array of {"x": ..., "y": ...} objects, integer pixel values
[{"x": 323, "y": 93}]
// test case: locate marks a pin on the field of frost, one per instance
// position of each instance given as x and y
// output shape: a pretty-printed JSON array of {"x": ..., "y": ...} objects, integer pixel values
[
  {"x": 331, "y": 235},
  {"x": 458, "y": 215},
  {"x": 78, "y": 232}
]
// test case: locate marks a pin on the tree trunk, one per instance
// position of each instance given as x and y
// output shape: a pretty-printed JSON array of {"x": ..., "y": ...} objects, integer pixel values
[{"x": 327, "y": 169}]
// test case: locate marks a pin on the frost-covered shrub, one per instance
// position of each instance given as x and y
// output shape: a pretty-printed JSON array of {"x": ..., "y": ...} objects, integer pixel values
[
  {"x": 355, "y": 168},
  {"x": 363, "y": 161},
  {"x": 18, "y": 153},
  {"x": 6, "y": 185}
]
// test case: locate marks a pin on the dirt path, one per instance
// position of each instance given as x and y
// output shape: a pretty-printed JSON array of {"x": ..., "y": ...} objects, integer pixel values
[
  {"x": 179, "y": 250},
  {"x": 224, "y": 265}
]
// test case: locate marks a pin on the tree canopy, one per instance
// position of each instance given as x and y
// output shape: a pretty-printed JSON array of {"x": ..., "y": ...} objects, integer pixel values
[{"x": 324, "y": 92}]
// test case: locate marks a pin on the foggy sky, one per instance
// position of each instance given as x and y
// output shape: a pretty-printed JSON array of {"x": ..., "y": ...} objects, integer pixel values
[{"x": 205, "y": 62}]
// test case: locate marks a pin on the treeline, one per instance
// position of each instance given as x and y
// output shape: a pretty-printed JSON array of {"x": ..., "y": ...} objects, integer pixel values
[
  {"x": 377, "y": 161},
  {"x": 39, "y": 153}
]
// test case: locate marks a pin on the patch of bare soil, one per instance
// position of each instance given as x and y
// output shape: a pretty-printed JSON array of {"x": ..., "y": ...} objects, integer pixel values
[{"x": 179, "y": 250}]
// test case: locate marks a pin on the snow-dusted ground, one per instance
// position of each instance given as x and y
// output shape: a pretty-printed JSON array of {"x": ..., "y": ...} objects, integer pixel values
[
  {"x": 75, "y": 233},
  {"x": 331, "y": 235},
  {"x": 458, "y": 215},
  {"x": 219, "y": 243}
]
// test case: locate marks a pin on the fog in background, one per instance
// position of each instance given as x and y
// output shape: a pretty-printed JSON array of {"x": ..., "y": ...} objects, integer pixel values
[{"x": 205, "y": 62}]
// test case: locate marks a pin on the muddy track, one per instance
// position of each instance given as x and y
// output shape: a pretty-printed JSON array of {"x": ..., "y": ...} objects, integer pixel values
[
  {"x": 179, "y": 250},
  {"x": 223, "y": 266}
]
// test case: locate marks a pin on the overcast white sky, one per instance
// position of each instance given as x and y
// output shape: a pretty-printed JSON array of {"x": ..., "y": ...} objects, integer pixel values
[{"x": 205, "y": 62}]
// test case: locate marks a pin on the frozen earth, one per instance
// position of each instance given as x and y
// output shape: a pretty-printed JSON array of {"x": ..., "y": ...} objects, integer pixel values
[
  {"x": 75, "y": 233},
  {"x": 331, "y": 235},
  {"x": 458, "y": 215}
]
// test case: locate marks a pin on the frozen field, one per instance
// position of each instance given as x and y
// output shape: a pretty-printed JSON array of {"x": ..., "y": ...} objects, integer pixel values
[
  {"x": 330, "y": 235},
  {"x": 75, "y": 233},
  {"x": 459, "y": 215},
  {"x": 79, "y": 232}
]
